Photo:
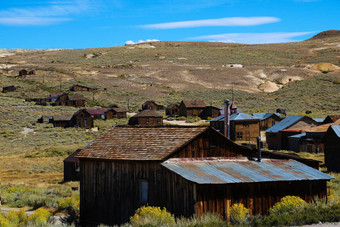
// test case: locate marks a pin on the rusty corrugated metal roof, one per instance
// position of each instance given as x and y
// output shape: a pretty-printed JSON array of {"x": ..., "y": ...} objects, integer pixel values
[
  {"x": 242, "y": 170},
  {"x": 140, "y": 143}
]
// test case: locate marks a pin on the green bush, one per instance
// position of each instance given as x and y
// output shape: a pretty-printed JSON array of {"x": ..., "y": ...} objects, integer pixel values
[
  {"x": 238, "y": 214},
  {"x": 152, "y": 216},
  {"x": 210, "y": 220}
]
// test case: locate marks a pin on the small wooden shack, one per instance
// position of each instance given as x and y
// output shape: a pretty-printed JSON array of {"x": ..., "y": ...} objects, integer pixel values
[
  {"x": 70, "y": 100},
  {"x": 71, "y": 167},
  {"x": 191, "y": 108},
  {"x": 331, "y": 142},
  {"x": 9, "y": 89},
  {"x": 146, "y": 117},
  {"x": 45, "y": 119},
  {"x": 243, "y": 127},
  {"x": 24, "y": 73},
  {"x": 83, "y": 119},
  {"x": 172, "y": 110},
  {"x": 188, "y": 170},
  {"x": 267, "y": 120},
  {"x": 115, "y": 112},
  {"x": 152, "y": 105},
  {"x": 63, "y": 121},
  {"x": 78, "y": 87},
  {"x": 277, "y": 136},
  {"x": 211, "y": 112}
]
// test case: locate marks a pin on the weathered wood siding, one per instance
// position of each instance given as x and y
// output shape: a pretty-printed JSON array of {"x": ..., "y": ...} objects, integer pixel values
[
  {"x": 269, "y": 122},
  {"x": 146, "y": 121},
  {"x": 244, "y": 130},
  {"x": 332, "y": 151},
  {"x": 110, "y": 190},
  {"x": 84, "y": 119},
  {"x": 70, "y": 171},
  {"x": 258, "y": 197}
]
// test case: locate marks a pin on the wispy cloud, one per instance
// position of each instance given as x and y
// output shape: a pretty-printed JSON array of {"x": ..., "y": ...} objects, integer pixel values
[
  {"x": 228, "y": 21},
  {"x": 253, "y": 38},
  {"x": 141, "y": 41},
  {"x": 54, "y": 12}
]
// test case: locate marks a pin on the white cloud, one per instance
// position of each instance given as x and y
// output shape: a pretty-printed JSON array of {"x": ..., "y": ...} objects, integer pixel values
[
  {"x": 141, "y": 41},
  {"x": 253, "y": 38},
  {"x": 228, "y": 21},
  {"x": 54, "y": 12}
]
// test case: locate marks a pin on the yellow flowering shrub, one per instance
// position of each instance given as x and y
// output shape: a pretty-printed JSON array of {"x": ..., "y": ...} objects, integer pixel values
[
  {"x": 70, "y": 204},
  {"x": 39, "y": 217},
  {"x": 4, "y": 222},
  {"x": 17, "y": 218},
  {"x": 152, "y": 216},
  {"x": 287, "y": 203},
  {"x": 238, "y": 213},
  {"x": 15, "y": 190}
]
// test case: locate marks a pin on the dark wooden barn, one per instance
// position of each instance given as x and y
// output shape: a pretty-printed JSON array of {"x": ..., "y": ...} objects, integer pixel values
[
  {"x": 211, "y": 112},
  {"x": 78, "y": 87},
  {"x": 63, "y": 121},
  {"x": 172, "y": 110},
  {"x": 71, "y": 167},
  {"x": 277, "y": 136},
  {"x": 191, "y": 108},
  {"x": 70, "y": 100},
  {"x": 9, "y": 89},
  {"x": 83, "y": 119},
  {"x": 146, "y": 117},
  {"x": 332, "y": 148},
  {"x": 267, "y": 120},
  {"x": 243, "y": 127},
  {"x": 188, "y": 170},
  {"x": 152, "y": 105}
]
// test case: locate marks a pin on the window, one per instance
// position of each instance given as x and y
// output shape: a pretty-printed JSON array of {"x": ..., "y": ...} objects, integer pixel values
[
  {"x": 273, "y": 123},
  {"x": 85, "y": 122},
  {"x": 147, "y": 120},
  {"x": 103, "y": 117},
  {"x": 239, "y": 135},
  {"x": 158, "y": 120},
  {"x": 143, "y": 191},
  {"x": 245, "y": 125}
]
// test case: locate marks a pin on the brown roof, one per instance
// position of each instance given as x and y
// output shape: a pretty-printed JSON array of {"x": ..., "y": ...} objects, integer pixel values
[
  {"x": 72, "y": 157},
  {"x": 140, "y": 143},
  {"x": 62, "y": 117},
  {"x": 172, "y": 106},
  {"x": 76, "y": 97},
  {"x": 119, "y": 109},
  {"x": 324, "y": 127},
  {"x": 147, "y": 113},
  {"x": 334, "y": 117},
  {"x": 194, "y": 104}
]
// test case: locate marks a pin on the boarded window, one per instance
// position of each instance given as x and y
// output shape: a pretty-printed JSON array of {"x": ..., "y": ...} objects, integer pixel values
[{"x": 143, "y": 191}]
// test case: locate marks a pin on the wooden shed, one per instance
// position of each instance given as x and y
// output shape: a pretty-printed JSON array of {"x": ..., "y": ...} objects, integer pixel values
[
  {"x": 83, "y": 119},
  {"x": 9, "y": 89},
  {"x": 277, "y": 136},
  {"x": 172, "y": 110},
  {"x": 115, "y": 112},
  {"x": 331, "y": 142},
  {"x": 146, "y": 117},
  {"x": 63, "y": 121},
  {"x": 211, "y": 112},
  {"x": 188, "y": 170},
  {"x": 191, "y": 108},
  {"x": 267, "y": 120},
  {"x": 70, "y": 100},
  {"x": 152, "y": 105},
  {"x": 243, "y": 127},
  {"x": 71, "y": 167}
]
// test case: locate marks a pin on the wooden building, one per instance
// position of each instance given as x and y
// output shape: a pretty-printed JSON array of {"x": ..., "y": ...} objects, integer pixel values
[
  {"x": 146, "y": 117},
  {"x": 243, "y": 127},
  {"x": 78, "y": 87},
  {"x": 277, "y": 136},
  {"x": 115, "y": 112},
  {"x": 211, "y": 112},
  {"x": 9, "y": 89},
  {"x": 83, "y": 119},
  {"x": 24, "y": 73},
  {"x": 152, "y": 105},
  {"x": 331, "y": 119},
  {"x": 172, "y": 110},
  {"x": 267, "y": 120},
  {"x": 97, "y": 113},
  {"x": 331, "y": 142},
  {"x": 45, "y": 119},
  {"x": 188, "y": 170},
  {"x": 70, "y": 100},
  {"x": 71, "y": 167},
  {"x": 63, "y": 121},
  {"x": 191, "y": 108}
]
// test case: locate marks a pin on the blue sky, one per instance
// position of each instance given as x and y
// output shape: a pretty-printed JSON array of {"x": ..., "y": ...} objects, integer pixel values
[{"x": 103, "y": 23}]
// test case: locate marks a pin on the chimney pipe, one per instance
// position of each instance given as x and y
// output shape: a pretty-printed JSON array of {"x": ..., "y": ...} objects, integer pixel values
[
  {"x": 258, "y": 149},
  {"x": 227, "y": 118}
]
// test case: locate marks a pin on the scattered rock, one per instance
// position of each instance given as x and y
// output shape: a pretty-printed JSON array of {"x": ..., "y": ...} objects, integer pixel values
[
  {"x": 269, "y": 87},
  {"x": 325, "y": 67},
  {"x": 233, "y": 66}
]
